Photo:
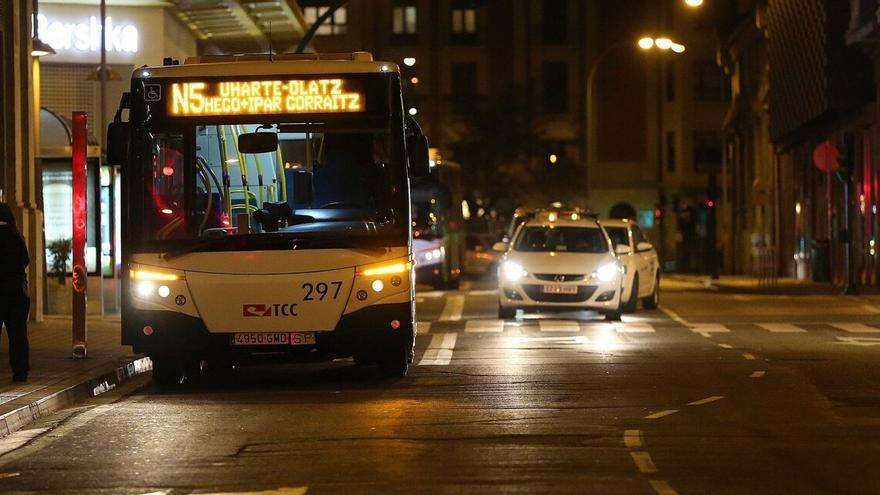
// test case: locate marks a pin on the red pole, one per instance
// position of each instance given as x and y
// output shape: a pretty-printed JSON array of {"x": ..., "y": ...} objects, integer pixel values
[{"x": 80, "y": 273}]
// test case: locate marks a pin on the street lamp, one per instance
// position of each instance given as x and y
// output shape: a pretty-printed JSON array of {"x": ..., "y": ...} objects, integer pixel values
[{"x": 693, "y": 3}]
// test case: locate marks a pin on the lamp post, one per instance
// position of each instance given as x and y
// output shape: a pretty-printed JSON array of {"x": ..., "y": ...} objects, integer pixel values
[{"x": 645, "y": 44}]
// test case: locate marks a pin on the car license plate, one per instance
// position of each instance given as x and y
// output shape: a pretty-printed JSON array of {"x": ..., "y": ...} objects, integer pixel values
[
  {"x": 302, "y": 338},
  {"x": 560, "y": 289}
]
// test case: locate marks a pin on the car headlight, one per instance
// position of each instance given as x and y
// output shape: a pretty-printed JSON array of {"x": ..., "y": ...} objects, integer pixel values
[
  {"x": 513, "y": 271},
  {"x": 607, "y": 272}
]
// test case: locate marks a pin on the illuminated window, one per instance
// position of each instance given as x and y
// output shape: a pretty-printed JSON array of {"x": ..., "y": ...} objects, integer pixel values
[
  {"x": 335, "y": 25},
  {"x": 464, "y": 22},
  {"x": 404, "y": 19}
]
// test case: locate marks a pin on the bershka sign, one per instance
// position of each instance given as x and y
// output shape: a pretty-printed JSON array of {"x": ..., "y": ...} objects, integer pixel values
[
  {"x": 84, "y": 35},
  {"x": 268, "y": 310}
]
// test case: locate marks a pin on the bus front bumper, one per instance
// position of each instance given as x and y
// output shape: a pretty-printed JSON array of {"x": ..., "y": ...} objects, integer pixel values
[{"x": 366, "y": 331}]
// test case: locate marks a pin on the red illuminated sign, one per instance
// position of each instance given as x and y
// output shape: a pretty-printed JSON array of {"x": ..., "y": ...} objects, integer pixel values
[{"x": 80, "y": 274}]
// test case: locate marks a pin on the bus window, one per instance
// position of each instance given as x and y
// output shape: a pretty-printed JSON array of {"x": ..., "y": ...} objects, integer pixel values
[{"x": 165, "y": 189}]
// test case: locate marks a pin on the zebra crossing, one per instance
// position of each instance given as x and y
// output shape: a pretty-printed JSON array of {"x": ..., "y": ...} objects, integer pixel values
[{"x": 563, "y": 326}]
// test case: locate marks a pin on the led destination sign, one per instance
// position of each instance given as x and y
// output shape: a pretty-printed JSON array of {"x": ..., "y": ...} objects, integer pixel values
[{"x": 263, "y": 97}]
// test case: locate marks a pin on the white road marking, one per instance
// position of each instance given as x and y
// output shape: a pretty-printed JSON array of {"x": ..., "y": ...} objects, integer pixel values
[
  {"x": 639, "y": 327},
  {"x": 661, "y": 414},
  {"x": 871, "y": 309},
  {"x": 781, "y": 328},
  {"x": 707, "y": 400},
  {"x": 9, "y": 475},
  {"x": 439, "y": 351},
  {"x": 297, "y": 490},
  {"x": 662, "y": 487},
  {"x": 725, "y": 346},
  {"x": 483, "y": 292},
  {"x": 757, "y": 374},
  {"x": 705, "y": 334},
  {"x": 432, "y": 293},
  {"x": 559, "y": 326},
  {"x": 861, "y": 341},
  {"x": 423, "y": 327},
  {"x": 855, "y": 327},
  {"x": 632, "y": 438},
  {"x": 484, "y": 326},
  {"x": 702, "y": 328},
  {"x": 749, "y": 357},
  {"x": 674, "y": 316},
  {"x": 420, "y": 300},
  {"x": 452, "y": 309},
  {"x": 465, "y": 285},
  {"x": 644, "y": 462}
]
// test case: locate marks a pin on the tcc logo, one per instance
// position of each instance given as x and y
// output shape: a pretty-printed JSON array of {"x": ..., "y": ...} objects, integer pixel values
[{"x": 260, "y": 310}]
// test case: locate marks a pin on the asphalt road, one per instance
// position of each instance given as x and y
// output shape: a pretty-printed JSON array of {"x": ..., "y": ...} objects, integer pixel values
[{"x": 715, "y": 393}]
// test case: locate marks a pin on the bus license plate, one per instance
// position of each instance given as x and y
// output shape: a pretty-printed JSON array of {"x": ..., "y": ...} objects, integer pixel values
[
  {"x": 560, "y": 289},
  {"x": 258, "y": 338}
]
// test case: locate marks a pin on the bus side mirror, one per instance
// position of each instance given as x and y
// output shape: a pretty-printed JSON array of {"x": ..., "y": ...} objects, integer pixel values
[
  {"x": 417, "y": 147},
  {"x": 117, "y": 143},
  {"x": 258, "y": 142}
]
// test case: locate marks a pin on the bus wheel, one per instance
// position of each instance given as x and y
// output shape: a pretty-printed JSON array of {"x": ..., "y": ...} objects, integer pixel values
[
  {"x": 167, "y": 372},
  {"x": 395, "y": 362}
]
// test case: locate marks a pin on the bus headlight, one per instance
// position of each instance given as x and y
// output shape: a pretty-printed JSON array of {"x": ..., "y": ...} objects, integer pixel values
[
  {"x": 144, "y": 288},
  {"x": 607, "y": 272},
  {"x": 513, "y": 271}
]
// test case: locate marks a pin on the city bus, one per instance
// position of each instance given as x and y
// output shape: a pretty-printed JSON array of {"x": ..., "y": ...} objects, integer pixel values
[
  {"x": 266, "y": 212},
  {"x": 438, "y": 226}
]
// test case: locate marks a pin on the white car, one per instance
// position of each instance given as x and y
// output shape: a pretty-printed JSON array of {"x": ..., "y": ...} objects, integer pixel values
[
  {"x": 560, "y": 261},
  {"x": 641, "y": 266}
]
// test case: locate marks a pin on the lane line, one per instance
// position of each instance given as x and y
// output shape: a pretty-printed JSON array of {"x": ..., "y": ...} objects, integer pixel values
[
  {"x": 559, "y": 326},
  {"x": 644, "y": 462},
  {"x": 484, "y": 326},
  {"x": 661, "y": 414},
  {"x": 757, "y": 374},
  {"x": 855, "y": 327},
  {"x": 707, "y": 335},
  {"x": 632, "y": 438},
  {"x": 707, "y": 400},
  {"x": 725, "y": 346},
  {"x": 452, "y": 308},
  {"x": 439, "y": 351},
  {"x": 662, "y": 487},
  {"x": 702, "y": 328},
  {"x": 674, "y": 316},
  {"x": 781, "y": 328},
  {"x": 423, "y": 327},
  {"x": 749, "y": 357}
]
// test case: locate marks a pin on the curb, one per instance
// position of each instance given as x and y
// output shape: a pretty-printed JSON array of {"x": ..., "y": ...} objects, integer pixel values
[{"x": 17, "y": 419}]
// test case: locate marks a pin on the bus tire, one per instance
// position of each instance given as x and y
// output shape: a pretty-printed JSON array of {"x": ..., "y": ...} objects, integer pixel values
[
  {"x": 395, "y": 362},
  {"x": 167, "y": 372}
]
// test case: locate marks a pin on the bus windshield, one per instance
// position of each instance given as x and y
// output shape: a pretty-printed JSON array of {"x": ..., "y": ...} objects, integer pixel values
[{"x": 321, "y": 178}]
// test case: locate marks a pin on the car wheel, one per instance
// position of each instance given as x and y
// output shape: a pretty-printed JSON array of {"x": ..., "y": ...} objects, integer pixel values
[
  {"x": 652, "y": 301},
  {"x": 506, "y": 313},
  {"x": 167, "y": 372},
  {"x": 395, "y": 362},
  {"x": 633, "y": 301}
]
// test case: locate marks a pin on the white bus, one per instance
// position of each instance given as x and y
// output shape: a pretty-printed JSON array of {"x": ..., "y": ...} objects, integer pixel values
[{"x": 266, "y": 211}]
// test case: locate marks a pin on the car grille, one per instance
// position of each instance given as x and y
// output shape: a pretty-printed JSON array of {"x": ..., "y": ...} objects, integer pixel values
[
  {"x": 536, "y": 292},
  {"x": 560, "y": 277}
]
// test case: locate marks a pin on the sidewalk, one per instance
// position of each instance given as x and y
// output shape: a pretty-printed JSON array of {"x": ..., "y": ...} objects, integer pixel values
[
  {"x": 750, "y": 285},
  {"x": 56, "y": 379}
]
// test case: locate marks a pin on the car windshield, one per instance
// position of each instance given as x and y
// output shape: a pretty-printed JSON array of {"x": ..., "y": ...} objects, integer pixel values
[
  {"x": 618, "y": 235},
  {"x": 198, "y": 183},
  {"x": 563, "y": 239}
]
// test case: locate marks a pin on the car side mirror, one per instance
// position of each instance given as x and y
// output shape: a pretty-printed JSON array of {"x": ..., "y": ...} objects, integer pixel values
[
  {"x": 500, "y": 247},
  {"x": 258, "y": 142},
  {"x": 417, "y": 149},
  {"x": 644, "y": 246},
  {"x": 622, "y": 250},
  {"x": 117, "y": 143}
]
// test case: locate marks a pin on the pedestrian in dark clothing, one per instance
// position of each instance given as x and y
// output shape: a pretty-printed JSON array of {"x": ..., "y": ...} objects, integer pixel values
[{"x": 14, "y": 300}]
